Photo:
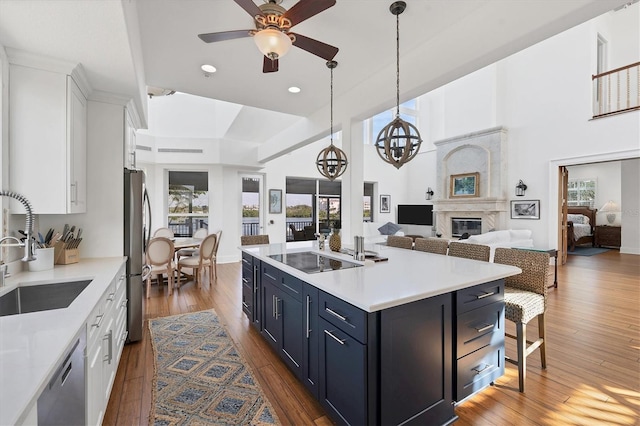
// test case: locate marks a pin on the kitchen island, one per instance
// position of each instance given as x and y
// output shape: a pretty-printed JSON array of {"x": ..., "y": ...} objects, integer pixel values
[
  {"x": 32, "y": 345},
  {"x": 391, "y": 342}
]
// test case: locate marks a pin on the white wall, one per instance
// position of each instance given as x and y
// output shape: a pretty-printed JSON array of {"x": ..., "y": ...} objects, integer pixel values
[{"x": 630, "y": 172}]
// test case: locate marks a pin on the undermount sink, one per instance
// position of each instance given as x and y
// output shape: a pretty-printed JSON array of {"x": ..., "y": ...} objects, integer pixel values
[{"x": 44, "y": 297}]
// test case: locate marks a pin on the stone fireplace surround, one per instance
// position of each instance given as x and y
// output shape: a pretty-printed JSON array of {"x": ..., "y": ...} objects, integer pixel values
[{"x": 484, "y": 152}]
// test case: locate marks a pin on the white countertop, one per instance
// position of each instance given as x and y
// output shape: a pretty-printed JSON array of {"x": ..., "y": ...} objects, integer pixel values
[
  {"x": 407, "y": 276},
  {"x": 31, "y": 345}
]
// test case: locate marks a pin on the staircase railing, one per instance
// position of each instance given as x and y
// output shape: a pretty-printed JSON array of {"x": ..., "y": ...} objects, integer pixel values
[{"x": 616, "y": 91}]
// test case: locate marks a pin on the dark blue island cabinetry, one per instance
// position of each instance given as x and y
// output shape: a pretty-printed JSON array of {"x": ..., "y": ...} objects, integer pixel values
[{"x": 406, "y": 364}]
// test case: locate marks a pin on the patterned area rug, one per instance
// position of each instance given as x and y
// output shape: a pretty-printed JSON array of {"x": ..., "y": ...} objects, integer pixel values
[{"x": 201, "y": 379}]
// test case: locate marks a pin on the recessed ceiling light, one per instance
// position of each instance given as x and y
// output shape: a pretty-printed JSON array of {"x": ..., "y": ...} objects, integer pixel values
[
  {"x": 208, "y": 68},
  {"x": 294, "y": 89}
]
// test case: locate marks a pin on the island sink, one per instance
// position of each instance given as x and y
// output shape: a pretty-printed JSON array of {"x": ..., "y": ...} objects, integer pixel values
[{"x": 43, "y": 297}]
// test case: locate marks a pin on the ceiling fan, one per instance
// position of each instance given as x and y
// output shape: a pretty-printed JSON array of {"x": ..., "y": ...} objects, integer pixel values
[{"x": 272, "y": 35}]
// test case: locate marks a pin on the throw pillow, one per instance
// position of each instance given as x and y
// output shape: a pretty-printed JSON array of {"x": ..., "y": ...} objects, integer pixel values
[{"x": 389, "y": 228}]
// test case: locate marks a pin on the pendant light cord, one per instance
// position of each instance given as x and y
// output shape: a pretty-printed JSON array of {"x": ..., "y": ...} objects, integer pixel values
[
  {"x": 331, "y": 108},
  {"x": 397, "y": 65}
]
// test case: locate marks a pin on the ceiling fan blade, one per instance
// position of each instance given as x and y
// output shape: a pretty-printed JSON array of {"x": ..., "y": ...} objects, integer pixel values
[
  {"x": 305, "y": 9},
  {"x": 224, "y": 35},
  {"x": 318, "y": 48},
  {"x": 250, "y": 7},
  {"x": 269, "y": 65}
]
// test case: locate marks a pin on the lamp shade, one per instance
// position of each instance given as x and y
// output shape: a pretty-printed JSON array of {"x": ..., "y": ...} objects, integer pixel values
[
  {"x": 610, "y": 207},
  {"x": 272, "y": 43}
]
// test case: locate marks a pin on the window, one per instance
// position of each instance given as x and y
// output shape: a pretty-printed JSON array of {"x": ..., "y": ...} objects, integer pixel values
[
  {"x": 251, "y": 209},
  {"x": 581, "y": 192},
  {"x": 367, "y": 203},
  {"x": 188, "y": 202},
  {"x": 373, "y": 125}
]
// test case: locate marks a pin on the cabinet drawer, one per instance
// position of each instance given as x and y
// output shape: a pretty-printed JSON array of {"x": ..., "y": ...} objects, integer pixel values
[
  {"x": 346, "y": 317},
  {"x": 247, "y": 260},
  {"x": 479, "y": 295},
  {"x": 479, "y": 328},
  {"x": 270, "y": 274},
  {"x": 478, "y": 369},
  {"x": 292, "y": 285}
]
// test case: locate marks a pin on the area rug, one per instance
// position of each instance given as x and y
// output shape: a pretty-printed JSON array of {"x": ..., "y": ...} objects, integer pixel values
[
  {"x": 587, "y": 251},
  {"x": 200, "y": 377}
]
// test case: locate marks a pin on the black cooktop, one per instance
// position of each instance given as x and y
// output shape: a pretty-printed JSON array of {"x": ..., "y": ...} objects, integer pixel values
[{"x": 311, "y": 262}]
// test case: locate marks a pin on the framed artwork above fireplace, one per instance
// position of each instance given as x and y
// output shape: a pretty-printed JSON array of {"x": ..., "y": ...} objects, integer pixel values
[{"x": 464, "y": 185}]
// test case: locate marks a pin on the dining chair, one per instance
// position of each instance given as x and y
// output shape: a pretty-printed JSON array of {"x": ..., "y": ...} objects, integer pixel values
[
  {"x": 249, "y": 240},
  {"x": 201, "y": 262},
  {"x": 401, "y": 242},
  {"x": 163, "y": 232},
  {"x": 432, "y": 245},
  {"x": 469, "y": 251},
  {"x": 160, "y": 257},
  {"x": 525, "y": 297},
  {"x": 190, "y": 251}
]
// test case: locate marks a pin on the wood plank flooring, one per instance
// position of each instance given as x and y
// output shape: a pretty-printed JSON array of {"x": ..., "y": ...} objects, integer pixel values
[{"x": 593, "y": 354}]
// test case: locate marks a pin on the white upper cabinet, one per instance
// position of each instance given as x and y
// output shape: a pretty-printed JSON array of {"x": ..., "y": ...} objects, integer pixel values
[
  {"x": 47, "y": 139},
  {"x": 130, "y": 136}
]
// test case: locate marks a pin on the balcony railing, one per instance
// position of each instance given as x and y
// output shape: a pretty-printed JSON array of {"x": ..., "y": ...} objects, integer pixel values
[{"x": 616, "y": 91}]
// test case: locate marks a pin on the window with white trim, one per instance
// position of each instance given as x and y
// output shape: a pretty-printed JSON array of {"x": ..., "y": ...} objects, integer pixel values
[
  {"x": 582, "y": 192},
  {"x": 373, "y": 125}
]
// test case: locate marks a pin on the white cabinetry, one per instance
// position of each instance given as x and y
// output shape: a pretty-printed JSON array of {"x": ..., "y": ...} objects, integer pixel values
[
  {"x": 129, "y": 139},
  {"x": 104, "y": 347},
  {"x": 47, "y": 138}
]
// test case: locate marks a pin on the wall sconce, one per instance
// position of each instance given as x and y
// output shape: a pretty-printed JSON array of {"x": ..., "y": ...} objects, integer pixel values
[
  {"x": 429, "y": 193},
  {"x": 520, "y": 188}
]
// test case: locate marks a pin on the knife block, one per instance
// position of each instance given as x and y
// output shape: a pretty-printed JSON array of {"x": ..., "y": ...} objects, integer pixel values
[{"x": 64, "y": 255}]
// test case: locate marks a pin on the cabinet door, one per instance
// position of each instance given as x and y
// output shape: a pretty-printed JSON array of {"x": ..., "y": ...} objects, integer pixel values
[
  {"x": 247, "y": 289},
  {"x": 271, "y": 322},
  {"x": 416, "y": 358},
  {"x": 129, "y": 141},
  {"x": 310, "y": 344},
  {"x": 290, "y": 311},
  {"x": 95, "y": 397},
  {"x": 77, "y": 148},
  {"x": 257, "y": 292},
  {"x": 343, "y": 379}
]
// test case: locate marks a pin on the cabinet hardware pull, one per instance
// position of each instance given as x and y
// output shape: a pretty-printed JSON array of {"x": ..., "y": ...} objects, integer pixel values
[
  {"x": 109, "y": 356},
  {"x": 482, "y": 296},
  {"x": 308, "y": 310},
  {"x": 486, "y": 367},
  {"x": 290, "y": 288},
  {"x": 245, "y": 305},
  {"x": 99, "y": 323},
  {"x": 245, "y": 260},
  {"x": 255, "y": 279},
  {"x": 124, "y": 303},
  {"x": 337, "y": 315},
  {"x": 270, "y": 276},
  {"x": 485, "y": 328},
  {"x": 111, "y": 297},
  {"x": 244, "y": 280},
  {"x": 74, "y": 193},
  {"x": 278, "y": 310},
  {"x": 124, "y": 336},
  {"x": 334, "y": 337}
]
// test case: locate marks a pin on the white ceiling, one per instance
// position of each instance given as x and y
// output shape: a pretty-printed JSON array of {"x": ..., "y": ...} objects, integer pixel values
[{"x": 126, "y": 44}]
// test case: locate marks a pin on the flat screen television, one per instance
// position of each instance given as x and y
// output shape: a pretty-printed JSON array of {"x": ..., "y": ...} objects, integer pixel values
[{"x": 415, "y": 214}]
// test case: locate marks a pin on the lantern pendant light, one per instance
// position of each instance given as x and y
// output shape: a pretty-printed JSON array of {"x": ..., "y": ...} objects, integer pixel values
[
  {"x": 331, "y": 161},
  {"x": 399, "y": 141}
]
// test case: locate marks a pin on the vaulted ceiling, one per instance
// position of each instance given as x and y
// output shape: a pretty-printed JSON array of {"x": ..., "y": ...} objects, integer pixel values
[{"x": 125, "y": 45}]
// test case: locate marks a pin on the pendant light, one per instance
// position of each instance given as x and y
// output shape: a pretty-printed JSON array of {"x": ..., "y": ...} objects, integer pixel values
[
  {"x": 331, "y": 161},
  {"x": 399, "y": 141}
]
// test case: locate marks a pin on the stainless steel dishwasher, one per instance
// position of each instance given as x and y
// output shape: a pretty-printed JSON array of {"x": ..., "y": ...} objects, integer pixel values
[{"x": 62, "y": 402}]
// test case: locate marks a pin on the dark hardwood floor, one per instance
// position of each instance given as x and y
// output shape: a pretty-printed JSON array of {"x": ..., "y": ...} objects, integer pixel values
[{"x": 593, "y": 354}]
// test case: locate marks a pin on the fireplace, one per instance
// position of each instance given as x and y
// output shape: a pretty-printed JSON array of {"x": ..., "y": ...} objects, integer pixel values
[{"x": 468, "y": 225}]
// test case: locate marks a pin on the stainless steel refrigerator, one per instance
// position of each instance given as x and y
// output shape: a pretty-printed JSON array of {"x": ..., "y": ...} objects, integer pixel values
[{"x": 137, "y": 229}]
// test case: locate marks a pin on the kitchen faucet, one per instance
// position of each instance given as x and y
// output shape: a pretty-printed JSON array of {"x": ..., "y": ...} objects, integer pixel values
[{"x": 28, "y": 247}]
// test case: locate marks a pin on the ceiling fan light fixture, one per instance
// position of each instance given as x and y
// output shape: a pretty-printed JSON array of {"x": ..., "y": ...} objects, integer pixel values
[{"x": 273, "y": 43}]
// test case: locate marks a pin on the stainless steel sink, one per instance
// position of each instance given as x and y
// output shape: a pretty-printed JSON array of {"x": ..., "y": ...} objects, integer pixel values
[{"x": 42, "y": 297}]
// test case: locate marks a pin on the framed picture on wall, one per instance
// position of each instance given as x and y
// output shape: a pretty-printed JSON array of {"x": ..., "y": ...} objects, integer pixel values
[
  {"x": 464, "y": 185},
  {"x": 275, "y": 201},
  {"x": 385, "y": 203},
  {"x": 525, "y": 209}
]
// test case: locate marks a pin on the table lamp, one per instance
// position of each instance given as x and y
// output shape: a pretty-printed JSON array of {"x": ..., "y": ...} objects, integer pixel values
[{"x": 610, "y": 208}]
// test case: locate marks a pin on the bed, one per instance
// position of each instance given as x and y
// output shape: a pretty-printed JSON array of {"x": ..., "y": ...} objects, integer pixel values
[{"x": 581, "y": 222}]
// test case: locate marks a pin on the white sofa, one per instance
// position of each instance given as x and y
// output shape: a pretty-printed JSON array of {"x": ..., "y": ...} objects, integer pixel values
[
  {"x": 507, "y": 238},
  {"x": 372, "y": 235}
]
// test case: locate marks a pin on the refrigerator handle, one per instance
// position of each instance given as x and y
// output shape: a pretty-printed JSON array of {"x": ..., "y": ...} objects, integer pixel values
[{"x": 147, "y": 236}]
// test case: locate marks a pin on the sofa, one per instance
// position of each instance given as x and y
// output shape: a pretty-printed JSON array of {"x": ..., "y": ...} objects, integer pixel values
[
  {"x": 372, "y": 235},
  {"x": 507, "y": 238}
]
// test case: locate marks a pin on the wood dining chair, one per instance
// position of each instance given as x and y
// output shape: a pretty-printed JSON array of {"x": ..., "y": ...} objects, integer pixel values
[
  {"x": 469, "y": 251},
  {"x": 160, "y": 252},
  {"x": 525, "y": 297},
  {"x": 163, "y": 232},
  {"x": 190, "y": 251},
  {"x": 201, "y": 262},
  {"x": 432, "y": 245}
]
